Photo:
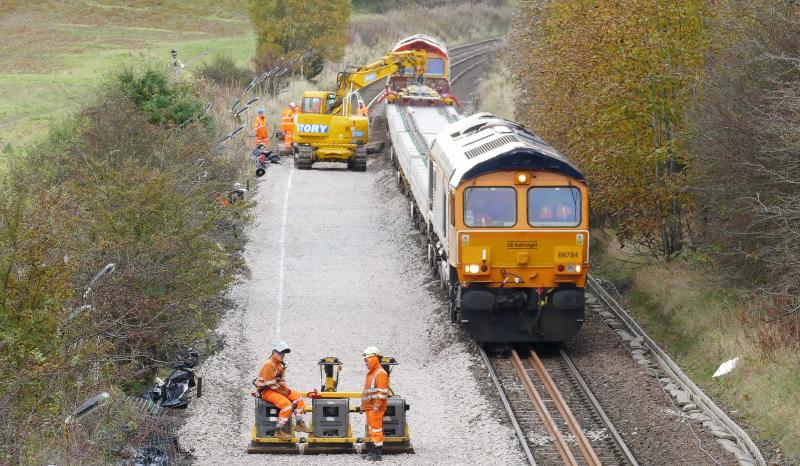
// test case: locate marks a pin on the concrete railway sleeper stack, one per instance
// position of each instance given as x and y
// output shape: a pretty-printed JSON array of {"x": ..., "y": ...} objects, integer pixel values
[
  {"x": 697, "y": 406},
  {"x": 557, "y": 436}
]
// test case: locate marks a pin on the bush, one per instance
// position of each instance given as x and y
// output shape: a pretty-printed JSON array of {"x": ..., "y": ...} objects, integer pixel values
[
  {"x": 224, "y": 71},
  {"x": 292, "y": 27},
  {"x": 117, "y": 185},
  {"x": 164, "y": 102}
]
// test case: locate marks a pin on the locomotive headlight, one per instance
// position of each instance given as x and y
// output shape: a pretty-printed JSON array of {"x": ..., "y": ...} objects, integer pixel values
[
  {"x": 578, "y": 268},
  {"x": 473, "y": 268},
  {"x": 521, "y": 178},
  {"x": 571, "y": 268}
]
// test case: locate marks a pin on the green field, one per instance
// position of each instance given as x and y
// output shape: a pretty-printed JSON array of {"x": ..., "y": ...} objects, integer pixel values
[{"x": 57, "y": 52}]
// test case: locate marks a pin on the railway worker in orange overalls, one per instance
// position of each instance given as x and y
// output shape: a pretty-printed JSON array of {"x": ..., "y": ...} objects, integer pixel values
[
  {"x": 362, "y": 109},
  {"x": 260, "y": 129},
  {"x": 374, "y": 400},
  {"x": 287, "y": 124},
  {"x": 273, "y": 389}
]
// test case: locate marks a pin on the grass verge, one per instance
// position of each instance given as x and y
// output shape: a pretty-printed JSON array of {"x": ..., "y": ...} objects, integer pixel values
[
  {"x": 690, "y": 309},
  {"x": 58, "y": 54}
]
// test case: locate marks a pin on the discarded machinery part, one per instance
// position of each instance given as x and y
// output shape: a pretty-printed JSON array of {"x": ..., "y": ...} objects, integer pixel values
[
  {"x": 676, "y": 373},
  {"x": 88, "y": 406},
  {"x": 249, "y": 87},
  {"x": 244, "y": 109},
  {"x": 251, "y": 101},
  {"x": 235, "y": 104}
]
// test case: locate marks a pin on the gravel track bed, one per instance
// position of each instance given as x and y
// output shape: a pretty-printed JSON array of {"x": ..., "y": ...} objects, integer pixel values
[
  {"x": 352, "y": 278},
  {"x": 655, "y": 430}
]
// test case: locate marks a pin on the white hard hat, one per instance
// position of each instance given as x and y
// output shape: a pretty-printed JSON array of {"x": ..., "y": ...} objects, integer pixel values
[
  {"x": 371, "y": 351},
  {"x": 281, "y": 347},
  {"x": 291, "y": 104}
]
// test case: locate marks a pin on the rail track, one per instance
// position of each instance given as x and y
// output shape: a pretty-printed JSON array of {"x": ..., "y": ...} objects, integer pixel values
[
  {"x": 747, "y": 451},
  {"x": 465, "y": 58},
  {"x": 576, "y": 432}
]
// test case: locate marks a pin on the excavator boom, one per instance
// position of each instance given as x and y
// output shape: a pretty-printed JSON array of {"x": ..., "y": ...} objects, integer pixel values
[
  {"x": 353, "y": 80},
  {"x": 326, "y": 130}
]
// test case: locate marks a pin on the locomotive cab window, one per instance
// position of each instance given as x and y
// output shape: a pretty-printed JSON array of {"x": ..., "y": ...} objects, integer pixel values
[
  {"x": 434, "y": 66},
  {"x": 554, "y": 206},
  {"x": 490, "y": 207}
]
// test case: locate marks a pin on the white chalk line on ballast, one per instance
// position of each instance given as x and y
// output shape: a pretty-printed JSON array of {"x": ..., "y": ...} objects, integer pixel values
[{"x": 284, "y": 215}]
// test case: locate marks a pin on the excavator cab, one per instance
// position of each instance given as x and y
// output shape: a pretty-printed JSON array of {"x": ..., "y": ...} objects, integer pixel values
[{"x": 317, "y": 102}]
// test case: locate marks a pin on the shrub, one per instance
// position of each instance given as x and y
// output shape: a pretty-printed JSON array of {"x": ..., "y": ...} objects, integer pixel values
[
  {"x": 291, "y": 27},
  {"x": 113, "y": 184},
  {"x": 224, "y": 71},
  {"x": 165, "y": 103}
]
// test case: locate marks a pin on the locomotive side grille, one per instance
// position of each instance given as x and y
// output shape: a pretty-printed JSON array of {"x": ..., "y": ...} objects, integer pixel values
[{"x": 494, "y": 144}]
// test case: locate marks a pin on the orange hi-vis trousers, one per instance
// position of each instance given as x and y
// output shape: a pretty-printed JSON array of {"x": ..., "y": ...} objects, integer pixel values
[
  {"x": 375, "y": 426},
  {"x": 284, "y": 404}
]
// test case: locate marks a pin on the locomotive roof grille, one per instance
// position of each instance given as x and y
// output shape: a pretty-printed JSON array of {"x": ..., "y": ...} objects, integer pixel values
[
  {"x": 493, "y": 144},
  {"x": 484, "y": 143}
]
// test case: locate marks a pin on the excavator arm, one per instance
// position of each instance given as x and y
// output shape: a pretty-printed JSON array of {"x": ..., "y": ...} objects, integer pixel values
[{"x": 353, "y": 80}]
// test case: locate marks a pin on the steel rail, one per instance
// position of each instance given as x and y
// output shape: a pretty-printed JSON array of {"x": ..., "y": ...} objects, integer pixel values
[
  {"x": 460, "y": 48},
  {"x": 615, "y": 436},
  {"x": 466, "y": 59},
  {"x": 675, "y": 372},
  {"x": 584, "y": 445},
  {"x": 544, "y": 414},
  {"x": 523, "y": 441},
  {"x": 459, "y": 75}
]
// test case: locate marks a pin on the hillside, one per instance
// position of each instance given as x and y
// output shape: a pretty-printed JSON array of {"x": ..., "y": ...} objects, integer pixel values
[{"x": 57, "y": 51}]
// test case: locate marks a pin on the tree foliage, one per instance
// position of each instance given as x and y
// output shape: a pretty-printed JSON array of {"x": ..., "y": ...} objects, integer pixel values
[
  {"x": 746, "y": 142},
  {"x": 608, "y": 82},
  {"x": 285, "y": 28},
  {"x": 111, "y": 185}
]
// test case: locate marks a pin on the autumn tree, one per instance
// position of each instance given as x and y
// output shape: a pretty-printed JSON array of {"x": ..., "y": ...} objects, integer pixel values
[
  {"x": 285, "y": 28},
  {"x": 607, "y": 82},
  {"x": 745, "y": 140}
]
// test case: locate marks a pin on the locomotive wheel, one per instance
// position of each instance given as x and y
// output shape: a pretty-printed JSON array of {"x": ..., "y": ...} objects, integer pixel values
[
  {"x": 453, "y": 312},
  {"x": 432, "y": 259}
]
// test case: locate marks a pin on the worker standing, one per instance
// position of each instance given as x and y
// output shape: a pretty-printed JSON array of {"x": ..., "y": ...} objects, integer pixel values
[
  {"x": 260, "y": 129},
  {"x": 374, "y": 399},
  {"x": 287, "y": 125},
  {"x": 362, "y": 109},
  {"x": 273, "y": 389}
]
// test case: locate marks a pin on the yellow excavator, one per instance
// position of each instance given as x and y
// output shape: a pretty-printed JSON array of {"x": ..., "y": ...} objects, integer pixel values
[{"x": 327, "y": 130}]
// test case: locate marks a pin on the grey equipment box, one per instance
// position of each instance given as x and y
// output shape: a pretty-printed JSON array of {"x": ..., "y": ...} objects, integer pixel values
[
  {"x": 394, "y": 420},
  {"x": 267, "y": 419},
  {"x": 331, "y": 417}
]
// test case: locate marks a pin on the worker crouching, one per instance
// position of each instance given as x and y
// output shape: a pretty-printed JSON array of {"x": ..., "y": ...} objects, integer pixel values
[
  {"x": 272, "y": 388},
  {"x": 374, "y": 400}
]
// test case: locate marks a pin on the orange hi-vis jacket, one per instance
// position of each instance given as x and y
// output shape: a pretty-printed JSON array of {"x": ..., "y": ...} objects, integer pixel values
[
  {"x": 287, "y": 120},
  {"x": 376, "y": 386},
  {"x": 260, "y": 128},
  {"x": 271, "y": 377}
]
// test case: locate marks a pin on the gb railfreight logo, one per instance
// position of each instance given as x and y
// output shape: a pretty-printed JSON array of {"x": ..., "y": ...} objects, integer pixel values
[{"x": 318, "y": 129}]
